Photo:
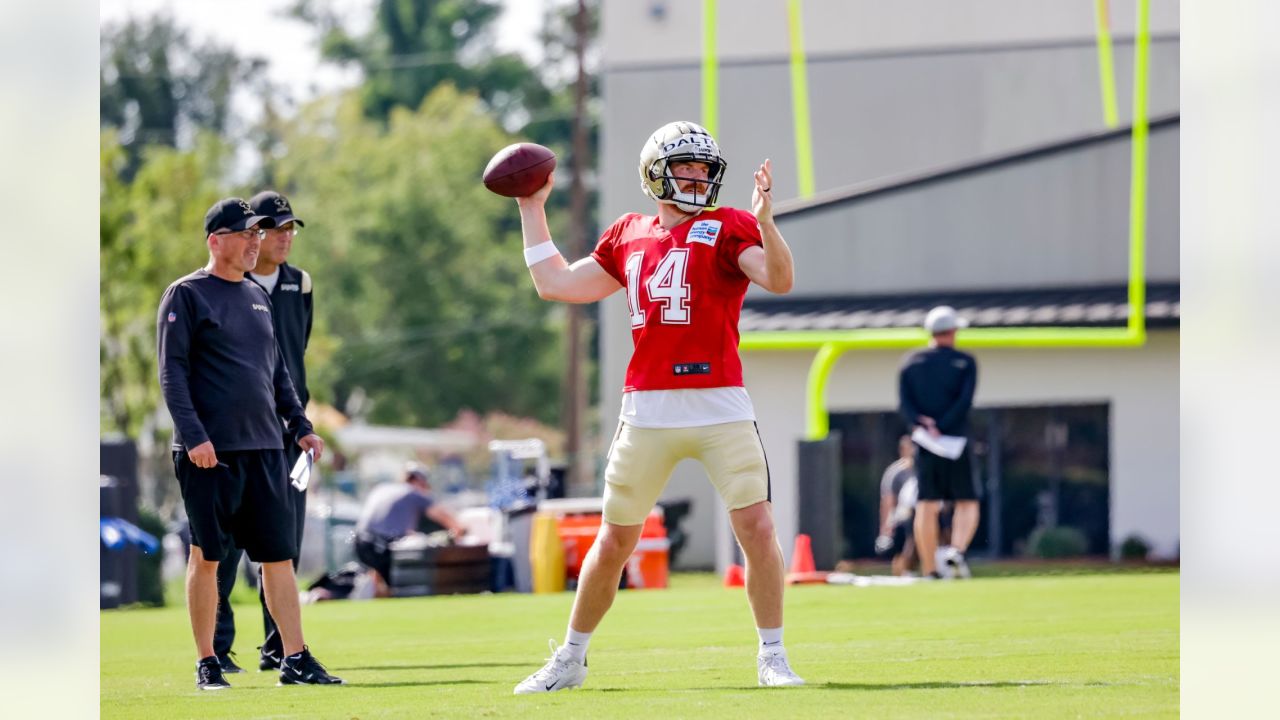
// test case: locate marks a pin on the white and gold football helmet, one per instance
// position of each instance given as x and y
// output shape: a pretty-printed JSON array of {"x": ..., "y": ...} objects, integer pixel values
[{"x": 680, "y": 142}]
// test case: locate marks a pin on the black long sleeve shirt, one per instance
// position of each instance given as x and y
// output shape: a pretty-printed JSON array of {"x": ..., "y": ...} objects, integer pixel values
[
  {"x": 291, "y": 312},
  {"x": 222, "y": 374},
  {"x": 938, "y": 382}
]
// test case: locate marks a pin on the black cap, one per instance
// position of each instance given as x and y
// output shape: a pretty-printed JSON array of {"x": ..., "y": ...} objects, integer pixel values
[
  {"x": 270, "y": 202},
  {"x": 234, "y": 214}
]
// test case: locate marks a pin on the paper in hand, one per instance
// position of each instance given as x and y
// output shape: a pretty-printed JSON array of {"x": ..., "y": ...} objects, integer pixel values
[
  {"x": 301, "y": 473},
  {"x": 947, "y": 446}
]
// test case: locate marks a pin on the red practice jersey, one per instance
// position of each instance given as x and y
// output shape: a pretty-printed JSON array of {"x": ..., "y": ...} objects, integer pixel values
[{"x": 684, "y": 294}]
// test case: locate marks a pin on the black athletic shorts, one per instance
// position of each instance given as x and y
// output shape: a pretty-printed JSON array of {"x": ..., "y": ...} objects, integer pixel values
[
  {"x": 374, "y": 552},
  {"x": 943, "y": 479},
  {"x": 245, "y": 502}
]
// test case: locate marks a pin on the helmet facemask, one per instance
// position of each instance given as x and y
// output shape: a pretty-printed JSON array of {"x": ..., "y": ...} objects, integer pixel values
[
  {"x": 675, "y": 143},
  {"x": 691, "y": 201}
]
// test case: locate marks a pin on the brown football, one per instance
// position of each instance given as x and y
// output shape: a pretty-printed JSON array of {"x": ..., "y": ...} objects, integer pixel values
[{"x": 519, "y": 170}]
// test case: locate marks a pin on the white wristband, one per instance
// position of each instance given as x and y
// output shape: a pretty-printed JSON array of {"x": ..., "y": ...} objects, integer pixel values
[{"x": 538, "y": 253}]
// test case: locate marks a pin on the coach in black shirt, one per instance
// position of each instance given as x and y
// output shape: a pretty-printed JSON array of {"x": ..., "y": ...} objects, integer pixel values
[
  {"x": 935, "y": 393},
  {"x": 288, "y": 286},
  {"x": 227, "y": 388},
  {"x": 291, "y": 309}
]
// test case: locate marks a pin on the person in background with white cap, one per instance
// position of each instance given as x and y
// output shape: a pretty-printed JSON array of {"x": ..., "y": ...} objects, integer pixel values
[{"x": 935, "y": 393}]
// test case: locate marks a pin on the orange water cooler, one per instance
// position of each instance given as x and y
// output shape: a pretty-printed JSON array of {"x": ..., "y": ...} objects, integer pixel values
[{"x": 579, "y": 522}]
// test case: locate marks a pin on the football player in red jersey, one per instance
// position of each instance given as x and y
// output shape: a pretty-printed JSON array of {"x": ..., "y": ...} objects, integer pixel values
[{"x": 685, "y": 270}]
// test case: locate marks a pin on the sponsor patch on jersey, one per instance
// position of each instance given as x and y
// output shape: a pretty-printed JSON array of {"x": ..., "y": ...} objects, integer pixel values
[
  {"x": 289, "y": 287},
  {"x": 263, "y": 308},
  {"x": 173, "y": 316},
  {"x": 705, "y": 232},
  {"x": 692, "y": 369}
]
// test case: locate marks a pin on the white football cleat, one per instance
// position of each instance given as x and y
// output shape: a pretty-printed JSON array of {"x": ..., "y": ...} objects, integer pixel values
[
  {"x": 942, "y": 564},
  {"x": 954, "y": 561},
  {"x": 561, "y": 672},
  {"x": 774, "y": 670}
]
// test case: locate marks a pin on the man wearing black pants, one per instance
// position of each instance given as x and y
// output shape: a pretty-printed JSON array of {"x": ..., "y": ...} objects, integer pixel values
[
  {"x": 935, "y": 393},
  {"x": 291, "y": 311},
  {"x": 227, "y": 388}
]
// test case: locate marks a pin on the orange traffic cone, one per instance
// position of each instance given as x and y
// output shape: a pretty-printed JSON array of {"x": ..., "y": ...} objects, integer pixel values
[
  {"x": 733, "y": 577},
  {"x": 802, "y": 555},
  {"x": 802, "y": 567}
]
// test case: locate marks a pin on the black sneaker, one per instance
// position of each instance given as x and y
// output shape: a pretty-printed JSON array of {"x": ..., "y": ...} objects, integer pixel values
[
  {"x": 269, "y": 655},
  {"x": 209, "y": 675},
  {"x": 304, "y": 669},
  {"x": 228, "y": 665}
]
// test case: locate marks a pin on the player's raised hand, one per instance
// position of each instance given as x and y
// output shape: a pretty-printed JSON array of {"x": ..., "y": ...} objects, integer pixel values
[
  {"x": 762, "y": 196},
  {"x": 539, "y": 197}
]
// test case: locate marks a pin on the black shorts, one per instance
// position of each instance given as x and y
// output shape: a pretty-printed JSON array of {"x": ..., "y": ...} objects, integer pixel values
[
  {"x": 247, "y": 504},
  {"x": 374, "y": 553},
  {"x": 943, "y": 479}
]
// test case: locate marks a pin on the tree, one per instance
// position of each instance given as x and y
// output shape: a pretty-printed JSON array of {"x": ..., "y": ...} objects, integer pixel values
[
  {"x": 420, "y": 285},
  {"x": 151, "y": 234},
  {"x": 159, "y": 87},
  {"x": 414, "y": 46},
  {"x": 423, "y": 301}
]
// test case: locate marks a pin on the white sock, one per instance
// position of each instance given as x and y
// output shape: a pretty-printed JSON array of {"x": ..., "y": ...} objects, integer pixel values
[
  {"x": 576, "y": 643},
  {"x": 770, "y": 638}
]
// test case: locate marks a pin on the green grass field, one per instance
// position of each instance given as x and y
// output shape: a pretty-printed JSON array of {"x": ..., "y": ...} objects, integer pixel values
[{"x": 1018, "y": 647}]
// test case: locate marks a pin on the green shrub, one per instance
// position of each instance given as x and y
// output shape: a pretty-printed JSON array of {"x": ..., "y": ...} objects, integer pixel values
[
  {"x": 1134, "y": 547},
  {"x": 1056, "y": 542}
]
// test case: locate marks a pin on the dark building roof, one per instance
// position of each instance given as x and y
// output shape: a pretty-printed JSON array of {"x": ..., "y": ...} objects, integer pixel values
[{"x": 1101, "y": 306}]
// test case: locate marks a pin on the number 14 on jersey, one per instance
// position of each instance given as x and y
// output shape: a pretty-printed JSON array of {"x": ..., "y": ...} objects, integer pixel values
[{"x": 667, "y": 287}]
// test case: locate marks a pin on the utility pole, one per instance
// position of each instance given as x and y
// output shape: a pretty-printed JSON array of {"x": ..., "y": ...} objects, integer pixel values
[{"x": 575, "y": 386}]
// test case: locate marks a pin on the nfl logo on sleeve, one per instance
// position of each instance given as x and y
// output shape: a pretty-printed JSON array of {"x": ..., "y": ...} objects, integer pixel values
[
  {"x": 173, "y": 316},
  {"x": 705, "y": 232}
]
